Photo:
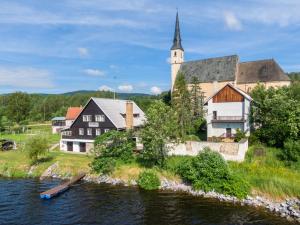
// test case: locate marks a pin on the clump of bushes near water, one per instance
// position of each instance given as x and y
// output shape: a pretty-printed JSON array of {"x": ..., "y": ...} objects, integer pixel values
[
  {"x": 208, "y": 171},
  {"x": 148, "y": 180}
]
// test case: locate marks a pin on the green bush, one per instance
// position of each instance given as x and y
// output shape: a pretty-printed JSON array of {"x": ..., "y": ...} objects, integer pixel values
[
  {"x": 115, "y": 144},
  {"x": 291, "y": 151},
  {"x": 104, "y": 165},
  {"x": 36, "y": 147},
  {"x": 209, "y": 171},
  {"x": 239, "y": 135},
  {"x": 148, "y": 180}
]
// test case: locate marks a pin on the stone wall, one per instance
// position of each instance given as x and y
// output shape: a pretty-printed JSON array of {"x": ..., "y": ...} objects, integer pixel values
[{"x": 230, "y": 151}]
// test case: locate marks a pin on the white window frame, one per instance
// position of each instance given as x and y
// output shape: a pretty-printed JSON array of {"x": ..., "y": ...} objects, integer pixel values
[
  {"x": 86, "y": 118},
  {"x": 99, "y": 118},
  {"x": 67, "y": 133},
  {"x": 89, "y": 131},
  {"x": 98, "y": 131},
  {"x": 106, "y": 130},
  {"x": 81, "y": 131}
]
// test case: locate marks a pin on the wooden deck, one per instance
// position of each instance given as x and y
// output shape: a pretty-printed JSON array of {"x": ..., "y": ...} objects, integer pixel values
[{"x": 61, "y": 188}]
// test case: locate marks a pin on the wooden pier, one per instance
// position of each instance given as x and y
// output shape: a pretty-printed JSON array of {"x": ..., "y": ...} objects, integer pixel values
[{"x": 61, "y": 188}]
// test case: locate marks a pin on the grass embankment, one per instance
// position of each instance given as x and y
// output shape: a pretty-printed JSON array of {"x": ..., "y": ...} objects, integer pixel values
[{"x": 16, "y": 164}]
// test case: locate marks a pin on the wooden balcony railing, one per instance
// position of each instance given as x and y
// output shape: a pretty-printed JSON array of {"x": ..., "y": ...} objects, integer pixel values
[{"x": 228, "y": 118}]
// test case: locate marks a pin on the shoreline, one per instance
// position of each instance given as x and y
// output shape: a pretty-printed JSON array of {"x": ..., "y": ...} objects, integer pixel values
[{"x": 289, "y": 208}]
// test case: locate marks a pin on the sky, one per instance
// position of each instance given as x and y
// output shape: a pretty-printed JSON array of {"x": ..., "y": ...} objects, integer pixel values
[{"x": 57, "y": 46}]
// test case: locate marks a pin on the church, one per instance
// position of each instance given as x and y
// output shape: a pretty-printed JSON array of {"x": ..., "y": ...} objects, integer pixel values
[{"x": 214, "y": 73}]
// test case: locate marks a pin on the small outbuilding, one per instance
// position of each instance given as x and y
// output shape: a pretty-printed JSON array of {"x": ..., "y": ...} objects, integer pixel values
[{"x": 58, "y": 123}]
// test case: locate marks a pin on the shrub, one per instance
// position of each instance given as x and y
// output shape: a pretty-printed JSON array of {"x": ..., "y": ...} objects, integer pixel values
[
  {"x": 36, "y": 147},
  {"x": 148, "y": 180},
  {"x": 239, "y": 135},
  {"x": 291, "y": 151},
  {"x": 104, "y": 165},
  {"x": 209, "y": 171}
]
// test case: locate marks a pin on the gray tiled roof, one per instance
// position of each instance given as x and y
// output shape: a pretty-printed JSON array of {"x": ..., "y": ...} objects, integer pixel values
[
  {"x": 114, "y": 109},
  {"x": 213, "y": 69}
]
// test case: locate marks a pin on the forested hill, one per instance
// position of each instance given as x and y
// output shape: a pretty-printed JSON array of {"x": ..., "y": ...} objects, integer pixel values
[{"x": 23, "y": 107}]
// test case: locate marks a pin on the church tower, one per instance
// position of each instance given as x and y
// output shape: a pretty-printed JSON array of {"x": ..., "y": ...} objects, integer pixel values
[{"x": 177, "y": 52}]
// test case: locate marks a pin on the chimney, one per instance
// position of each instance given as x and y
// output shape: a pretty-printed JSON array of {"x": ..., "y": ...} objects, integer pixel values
[{"x": 129, "y": 115}]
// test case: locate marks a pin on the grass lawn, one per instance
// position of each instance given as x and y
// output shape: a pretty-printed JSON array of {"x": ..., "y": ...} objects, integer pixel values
[
  {"x": 16, "y": 163},
  {"x": 33, "y": 130}
]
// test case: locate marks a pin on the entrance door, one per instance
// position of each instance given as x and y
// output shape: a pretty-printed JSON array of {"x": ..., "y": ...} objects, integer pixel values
[
  {"x": 228, "y": 132},
  {"x": 70, "y": 146},
  {"x": 82, "y": 147}
]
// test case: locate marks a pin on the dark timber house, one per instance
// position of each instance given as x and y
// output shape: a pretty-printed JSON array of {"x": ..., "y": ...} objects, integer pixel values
[{"x": 97, "y": 117}]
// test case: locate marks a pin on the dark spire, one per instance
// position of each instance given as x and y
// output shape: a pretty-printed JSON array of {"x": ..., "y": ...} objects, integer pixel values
[{"x": 177, "y": 38}]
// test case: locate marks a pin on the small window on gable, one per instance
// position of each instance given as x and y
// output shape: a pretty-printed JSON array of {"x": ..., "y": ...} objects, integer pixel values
[
  {"x": 81, "y": 131},
  {"x": 87, "y": 118},
  {"x": 98, "y": 132},
  {"x": 99, "y": 118},
  {"x": 89, "y": 132},
  {"x": 106, "y": 130}
]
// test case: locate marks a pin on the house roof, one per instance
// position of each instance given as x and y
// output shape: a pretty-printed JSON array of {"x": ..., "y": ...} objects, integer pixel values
[
  {"x": 209, "y": 70},
  {"x": 260, "y": 71},
  {"x": 116, "y": 109},
  {"x": 235, "y": 88},
  {"x": 59, "y": 118},
  {"x": 73, "y": 112}
]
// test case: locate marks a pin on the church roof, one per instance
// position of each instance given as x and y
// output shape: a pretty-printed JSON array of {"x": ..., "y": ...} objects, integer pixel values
[
  {"x": 209, "y": 70},
  {"x": 177, "y": 37},
  {"x": 260, "y": 71}
]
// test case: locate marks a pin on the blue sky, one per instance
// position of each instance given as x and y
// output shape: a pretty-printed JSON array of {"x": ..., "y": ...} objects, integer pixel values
[{"x": 55, "y": 46}]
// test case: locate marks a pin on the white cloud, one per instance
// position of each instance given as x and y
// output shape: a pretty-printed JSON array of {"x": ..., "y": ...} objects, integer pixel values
[
  {"x": 83, "y": 52},
  {"x": 105, "y": 88},
  {"x": 113, "y": 67},
  {"x": 95, "y": 72},
  {"x": 231, "y": 21},
  {"x": 155, "y": 90},
  {"x": 126, "y": 88},
  {"x": 25, "y": 78}
]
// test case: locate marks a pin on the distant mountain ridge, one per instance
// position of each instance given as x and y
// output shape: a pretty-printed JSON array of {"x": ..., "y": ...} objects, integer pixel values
[{"x": 119, "y": 95}]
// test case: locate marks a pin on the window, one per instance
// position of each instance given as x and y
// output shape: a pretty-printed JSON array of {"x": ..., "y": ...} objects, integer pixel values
[
  {"x": 67, "y": 133},
  {"x": 175, "y": 54},
  {"x": 87, "y": 118},
  {"x": 89, "y": 131},
  {"x": 214, "y": 115},
  {"x": 99, "y": 118},
  {"x": 136, "y": 115},
  {"x": 98, "y": 132},
  {"x": 81, "y": 131},
  {"x": 106, "y": 130}
]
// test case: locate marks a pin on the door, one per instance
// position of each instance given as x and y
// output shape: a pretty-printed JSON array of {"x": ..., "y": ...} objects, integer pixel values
[
  {"x": 70, "y": 146},
  {"x": 82, "y": 147},
  {"x": 214, "y": 115},
  {"x": 228, "y": 132}
]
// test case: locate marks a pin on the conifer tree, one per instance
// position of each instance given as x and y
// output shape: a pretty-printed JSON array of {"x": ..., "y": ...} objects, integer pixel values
[
  {"x": 181, "y": 103},
  {"x": 197, "y": 99}
]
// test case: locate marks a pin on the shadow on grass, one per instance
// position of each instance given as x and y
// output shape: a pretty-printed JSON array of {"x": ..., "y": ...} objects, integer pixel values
[{"x": 43, "y": 160}]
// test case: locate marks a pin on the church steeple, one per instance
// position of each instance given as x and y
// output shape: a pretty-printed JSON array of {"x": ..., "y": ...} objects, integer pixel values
[{"x": 177, "y": 38}]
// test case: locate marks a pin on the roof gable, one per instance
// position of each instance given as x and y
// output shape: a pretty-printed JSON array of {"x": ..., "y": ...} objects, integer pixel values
[
  {"x": 245, "y": 95},
  {"x": 209, "y": 70}
]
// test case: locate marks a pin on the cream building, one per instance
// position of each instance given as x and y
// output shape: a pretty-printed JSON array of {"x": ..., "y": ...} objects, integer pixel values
[{"x": 214, "y": 73}]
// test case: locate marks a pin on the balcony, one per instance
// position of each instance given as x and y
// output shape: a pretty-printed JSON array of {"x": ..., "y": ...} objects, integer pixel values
[{"x": 226, "y": 119}]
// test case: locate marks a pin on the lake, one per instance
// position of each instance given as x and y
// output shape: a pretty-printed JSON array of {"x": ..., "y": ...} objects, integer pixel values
[{"x": 87, "y": 203}]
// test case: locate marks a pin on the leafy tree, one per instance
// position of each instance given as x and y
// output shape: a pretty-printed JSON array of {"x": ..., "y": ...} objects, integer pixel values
[
  {"x": 276, "y": 114},
  {"x": 18, "y": 106},
  {"x": 239, "y": 135},
  {"x": 36, "y": 147},
  {"x": 160, "y": 128},
  {"x": 291, "y": 151},
  {"x": 181, "y": 103}
]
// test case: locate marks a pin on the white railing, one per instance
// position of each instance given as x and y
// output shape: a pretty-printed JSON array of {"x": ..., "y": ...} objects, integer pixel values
[{"x": 232, "y": 118}]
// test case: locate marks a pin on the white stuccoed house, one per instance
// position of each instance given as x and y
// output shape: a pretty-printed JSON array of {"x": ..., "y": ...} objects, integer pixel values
[{"x": 227, "y": 110}]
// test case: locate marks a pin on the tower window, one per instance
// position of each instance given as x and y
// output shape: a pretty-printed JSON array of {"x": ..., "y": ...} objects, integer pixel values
[{"x": 175, "y": 54}]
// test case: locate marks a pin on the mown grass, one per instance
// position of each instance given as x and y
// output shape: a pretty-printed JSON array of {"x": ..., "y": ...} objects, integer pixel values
[{"x": 16, "y": 164}]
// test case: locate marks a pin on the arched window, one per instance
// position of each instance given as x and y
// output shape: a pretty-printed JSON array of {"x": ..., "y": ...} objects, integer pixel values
[{"x": 175, "y": 54}]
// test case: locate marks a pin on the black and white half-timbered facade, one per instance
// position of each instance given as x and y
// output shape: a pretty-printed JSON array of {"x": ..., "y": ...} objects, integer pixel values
[{"x": 100, "y": 115}]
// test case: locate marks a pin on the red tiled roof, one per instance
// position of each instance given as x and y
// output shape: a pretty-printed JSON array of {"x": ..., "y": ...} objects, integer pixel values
[{"x": 73, "y": 112}]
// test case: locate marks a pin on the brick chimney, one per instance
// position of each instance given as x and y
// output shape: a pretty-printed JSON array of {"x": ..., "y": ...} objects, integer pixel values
[{"x": 129, "y": 115}]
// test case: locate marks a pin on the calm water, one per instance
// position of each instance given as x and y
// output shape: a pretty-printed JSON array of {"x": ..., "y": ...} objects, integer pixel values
[{"x": 104, "y": 204}]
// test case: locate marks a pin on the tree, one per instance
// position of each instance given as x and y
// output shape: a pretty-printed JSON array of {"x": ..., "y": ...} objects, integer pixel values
[
  {"x": 18, "y": 106},
  {"x": 276, "y": 114},
  {"x": 36, "y": 147},
  {"x": 160, "y": 129},
  {"x": 197, "y": 99},
  {"x": 181, "y": 103}
]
